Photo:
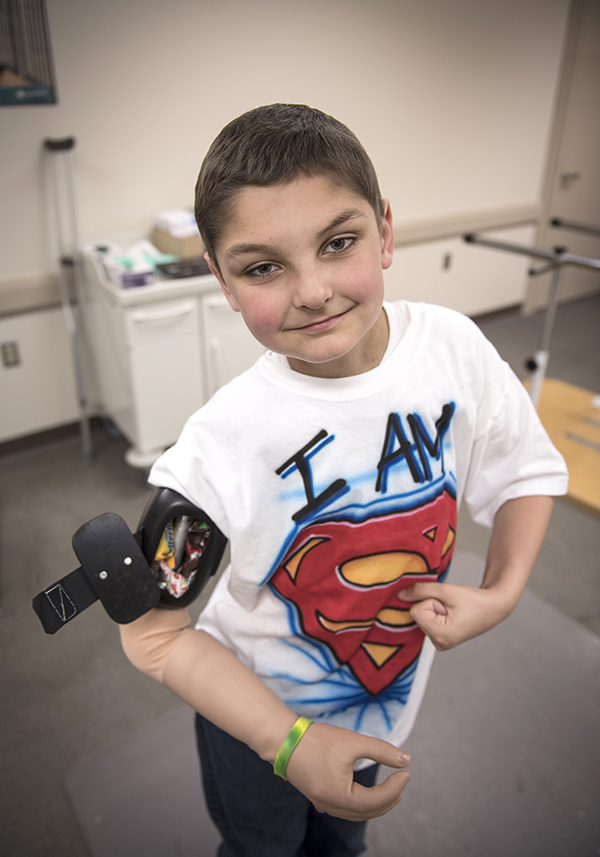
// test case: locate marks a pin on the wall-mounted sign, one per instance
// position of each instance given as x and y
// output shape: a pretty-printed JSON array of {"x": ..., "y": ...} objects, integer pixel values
[{"x": 26, "y": 68}]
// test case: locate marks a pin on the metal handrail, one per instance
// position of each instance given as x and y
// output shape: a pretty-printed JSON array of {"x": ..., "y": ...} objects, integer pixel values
[
  {"x": 560, "y": 223},
  {"x": 555, "y": 261},
  {"x": 557, "y": 256}
]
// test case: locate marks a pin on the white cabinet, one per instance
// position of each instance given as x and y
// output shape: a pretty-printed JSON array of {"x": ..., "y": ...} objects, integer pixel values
[
  {"x": 159, "y": 352},
  {"x": 229, "y": 346},
  {"x": 166, "y": 372},
  {"x": 37, "y": 392},
  {"x": 464, "y": 277}
]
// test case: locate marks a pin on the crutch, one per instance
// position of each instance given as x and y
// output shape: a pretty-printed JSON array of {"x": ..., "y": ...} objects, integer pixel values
[{"x": 63, "y": 150}]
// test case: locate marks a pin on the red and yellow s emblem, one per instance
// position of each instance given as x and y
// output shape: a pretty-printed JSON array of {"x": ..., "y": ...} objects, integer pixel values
[{"x": 344, "y": 578}]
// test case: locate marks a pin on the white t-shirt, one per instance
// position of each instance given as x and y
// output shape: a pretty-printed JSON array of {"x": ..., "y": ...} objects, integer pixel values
[{"x": 336, "y": 494}]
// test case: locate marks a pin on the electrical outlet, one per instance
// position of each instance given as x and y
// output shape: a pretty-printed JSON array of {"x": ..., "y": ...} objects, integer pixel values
[{"x": 10, "y": 354}]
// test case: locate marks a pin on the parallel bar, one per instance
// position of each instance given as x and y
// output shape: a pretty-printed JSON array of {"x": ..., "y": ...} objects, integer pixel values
[
  {"x": 559, "y": 223},
  {"x": 557, "y": 258}
]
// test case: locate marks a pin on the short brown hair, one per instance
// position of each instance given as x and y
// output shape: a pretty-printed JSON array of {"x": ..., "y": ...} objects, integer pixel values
[{"x": 276, "y": 144}]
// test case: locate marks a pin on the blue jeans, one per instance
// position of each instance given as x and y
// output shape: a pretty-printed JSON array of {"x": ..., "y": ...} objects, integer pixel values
[{"x": 260, "y": 815}]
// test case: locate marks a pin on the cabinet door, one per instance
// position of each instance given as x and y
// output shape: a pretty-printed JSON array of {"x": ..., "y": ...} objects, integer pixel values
[
  {"x": 166, "y": 368},
  {"x": 464, "y": 277},
  {"x": 37, "y": 392},
  {"x": 230, "y": 348}
]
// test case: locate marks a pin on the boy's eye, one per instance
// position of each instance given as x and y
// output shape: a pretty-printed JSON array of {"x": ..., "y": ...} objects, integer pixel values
[
  {"x": 262, "y": 270},
  {"x": 339, "y": 244}
]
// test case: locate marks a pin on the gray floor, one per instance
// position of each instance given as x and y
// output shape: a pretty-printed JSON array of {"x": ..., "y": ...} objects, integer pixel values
[
  {"x": 473, "y": 790},
  {"x": 72, "y": 699}
]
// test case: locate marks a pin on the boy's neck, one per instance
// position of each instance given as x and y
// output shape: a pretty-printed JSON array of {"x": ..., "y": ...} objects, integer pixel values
[{"x": 367, "y": 354}]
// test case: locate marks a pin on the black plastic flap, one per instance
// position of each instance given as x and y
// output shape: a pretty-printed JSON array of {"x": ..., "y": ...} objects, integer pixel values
[{"x": 116, "y": 568}]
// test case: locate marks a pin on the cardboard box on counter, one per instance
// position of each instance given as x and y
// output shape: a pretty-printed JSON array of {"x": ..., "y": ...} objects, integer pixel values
[{"x": 184, "y": 247}]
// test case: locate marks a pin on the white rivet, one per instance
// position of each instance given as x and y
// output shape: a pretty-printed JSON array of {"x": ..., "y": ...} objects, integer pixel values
[
  {"x": 127, "y": 560},
  {"x": 103, "y": 575}
]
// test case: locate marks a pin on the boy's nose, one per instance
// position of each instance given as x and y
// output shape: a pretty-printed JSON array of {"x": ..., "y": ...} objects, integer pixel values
[{"x": 312, "y": 291}]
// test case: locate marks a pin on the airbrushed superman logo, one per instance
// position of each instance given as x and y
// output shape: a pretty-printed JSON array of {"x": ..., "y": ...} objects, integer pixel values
[{"x": 344, "y": 578}]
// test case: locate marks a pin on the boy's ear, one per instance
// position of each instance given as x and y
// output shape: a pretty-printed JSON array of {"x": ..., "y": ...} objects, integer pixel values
[
  {"x": 216, "y": 273},
  {"x": 387, "y": 235}
]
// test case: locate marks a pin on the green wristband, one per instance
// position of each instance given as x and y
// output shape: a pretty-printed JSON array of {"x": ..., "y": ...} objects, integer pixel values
[{"x": 289, "y": 745}]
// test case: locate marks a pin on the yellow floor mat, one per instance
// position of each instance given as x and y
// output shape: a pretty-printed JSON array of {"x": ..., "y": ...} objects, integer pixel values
[{"x": 571, "y": 416}]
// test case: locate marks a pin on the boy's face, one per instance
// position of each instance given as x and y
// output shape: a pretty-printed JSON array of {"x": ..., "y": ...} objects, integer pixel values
[{"x": 303, "y": 264}]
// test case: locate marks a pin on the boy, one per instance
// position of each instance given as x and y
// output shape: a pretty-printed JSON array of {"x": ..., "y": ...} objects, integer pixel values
[{"x": 335, "y": 466}]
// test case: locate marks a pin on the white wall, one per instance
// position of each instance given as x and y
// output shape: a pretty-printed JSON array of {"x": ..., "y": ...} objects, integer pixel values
[{"x": 452, "y": 98}]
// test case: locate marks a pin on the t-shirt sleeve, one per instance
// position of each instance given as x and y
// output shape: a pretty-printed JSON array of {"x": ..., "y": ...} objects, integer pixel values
[
  {"x": 185, "y": 468},
  {"x": 512, "y": 455}
]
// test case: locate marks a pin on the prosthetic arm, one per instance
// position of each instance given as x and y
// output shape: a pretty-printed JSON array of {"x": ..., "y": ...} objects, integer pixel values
[{"x": 166, "y": 563}]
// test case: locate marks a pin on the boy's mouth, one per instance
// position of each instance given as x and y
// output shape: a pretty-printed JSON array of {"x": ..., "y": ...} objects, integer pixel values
[{"x": 323, "y": 323}]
